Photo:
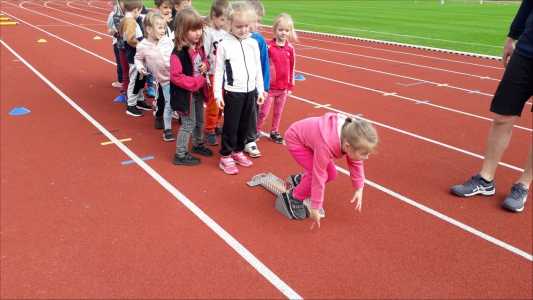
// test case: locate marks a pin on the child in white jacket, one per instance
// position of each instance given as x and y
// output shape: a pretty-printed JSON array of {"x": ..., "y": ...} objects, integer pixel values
[
  {"x": 238, "y": 64},
  {"x": 155, "y": 51}
]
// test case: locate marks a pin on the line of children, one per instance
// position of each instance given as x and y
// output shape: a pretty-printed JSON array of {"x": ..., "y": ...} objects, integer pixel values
[
  {"x": 214, "y": 33},
  {"x": 132, "y": 33}
]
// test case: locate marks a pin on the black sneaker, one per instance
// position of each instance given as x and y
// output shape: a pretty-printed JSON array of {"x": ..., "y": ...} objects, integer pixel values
[
  {"x": 143, "y": 105},
  {"x": 186, "y": 160},
  {"x": 276, "y": 137},
  {"x": 159, "y": 124},
  {"x": 202, "y": 150},
  {"x": 474, "y": 186},
  {"x": 133, "y": 111},
  {"x": 296, "y": 178},
  {"x": 218, "y": 130},
  {"x": 168, "y": 136},
  {"x": 517, "y": 198},
  {"x": 296, "y": 207}
]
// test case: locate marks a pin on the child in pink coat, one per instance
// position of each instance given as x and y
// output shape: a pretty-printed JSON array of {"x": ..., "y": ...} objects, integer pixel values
[{"x": 313, "y": 142}]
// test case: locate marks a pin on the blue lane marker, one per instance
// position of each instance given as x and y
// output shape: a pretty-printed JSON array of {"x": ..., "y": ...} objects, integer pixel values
[
  {"x": 17, "y": 111},
  {"x": 299, "y": 77},
  {"x": 411, "y": 84},
  {"x": 120, "y": 98},
  {"x": 471, "y": 92},
  {"x": 132, "y": 161},
  {"x": 359, "y": 115},
  {"x": 423, "y": 101}
]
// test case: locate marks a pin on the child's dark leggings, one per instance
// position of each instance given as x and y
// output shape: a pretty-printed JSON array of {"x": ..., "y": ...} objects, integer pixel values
[
  {"x": 238, "y": 111},
  {"x": 119, "y": 66}
]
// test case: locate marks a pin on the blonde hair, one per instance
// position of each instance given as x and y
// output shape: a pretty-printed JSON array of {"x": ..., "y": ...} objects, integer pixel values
[
  {"x": 243, "y": 9},
  {"x": 130, "y": 5},
  {"x": 360, "y": 134},
  {"x": 286, "y": 18},
  {"x": 151, "y": 19},
  {"x": 259, "y": 8},
  {"x": 187, "y": 19}
]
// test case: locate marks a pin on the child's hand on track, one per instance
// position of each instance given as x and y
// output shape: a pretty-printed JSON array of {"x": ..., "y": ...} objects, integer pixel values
[
  {"x": 111, "y": 31},
  {"x": 260, "y": 98},
  {"x": 289, "y": 93},
  {"x": 315, "y": 217},
  {"x": 220, "y": 103},
  {"x": 359, "y": 197}
]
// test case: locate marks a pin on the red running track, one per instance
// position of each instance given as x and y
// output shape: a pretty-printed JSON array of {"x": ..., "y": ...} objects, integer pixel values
[{"x": 76, "y": 223}]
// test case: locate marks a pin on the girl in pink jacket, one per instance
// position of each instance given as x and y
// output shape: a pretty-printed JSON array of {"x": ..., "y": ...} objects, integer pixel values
[
  {"x": 282, "y": 62},
  {"x": 313, "y": 142}
]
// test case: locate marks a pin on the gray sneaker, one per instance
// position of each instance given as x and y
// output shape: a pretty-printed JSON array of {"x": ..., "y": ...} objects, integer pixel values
[
  {"x": 474, "y": 186},
  {"x": 517, "y": 198},
  {"x": 296, "y": 206},
  {"x": 167, "y": 135}
]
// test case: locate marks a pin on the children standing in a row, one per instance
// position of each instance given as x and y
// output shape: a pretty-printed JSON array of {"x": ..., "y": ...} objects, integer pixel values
[
  {"x": 132, "y": 34},
  {"x": 214, "y": 33},
  {"x": 282, "y": 65},
  {"x": 188, "y": 66},
  {"x": 111, "y": 30},
  {"x": 238, "y": 63}
]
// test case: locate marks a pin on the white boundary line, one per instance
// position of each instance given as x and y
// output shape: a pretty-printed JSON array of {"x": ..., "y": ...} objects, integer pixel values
[
  {"x": 445, "y": 218},
  {"x": 397, "y": 44},
  {"x": 409, "y": 99},
  {"x": 224, "y": 235}
]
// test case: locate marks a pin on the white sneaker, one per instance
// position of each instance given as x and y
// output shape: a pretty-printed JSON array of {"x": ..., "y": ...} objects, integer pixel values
[
  {"x": 175, "y": 115},
  {"x": 251, "y": 148},
  {"x": 116, "y": 84}
]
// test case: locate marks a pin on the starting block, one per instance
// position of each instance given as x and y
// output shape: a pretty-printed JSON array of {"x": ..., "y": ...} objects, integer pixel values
[{"x": 280, "y": 188}]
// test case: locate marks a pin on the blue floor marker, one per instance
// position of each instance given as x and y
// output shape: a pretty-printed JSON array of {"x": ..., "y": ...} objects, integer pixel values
[
  {"x": 423, "y": 101},
  {"x": 299, "y": 77},
  {"x": 17, "y": 111},
  {"x": 120, "y": 98},
  {"x": 359, "y": 115},
  {"x": 471, "y": 92},
  {"x": 132, "y": 161}
]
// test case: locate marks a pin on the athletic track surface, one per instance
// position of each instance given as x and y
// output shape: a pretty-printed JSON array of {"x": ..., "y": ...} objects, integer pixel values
[{"x": 77, "y": 223}]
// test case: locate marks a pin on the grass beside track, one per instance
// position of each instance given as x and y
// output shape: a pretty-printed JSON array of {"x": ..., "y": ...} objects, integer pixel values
[{"x": 469, "y": 26}]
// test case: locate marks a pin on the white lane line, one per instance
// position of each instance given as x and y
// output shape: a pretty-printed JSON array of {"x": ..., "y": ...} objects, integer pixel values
[
  {"x": 224, "y": 235},
  {"x": 392, "y": 74},
  {"x": 48, "y": 16},
  {"x": 407, "y": 63},
  {"x": 66, "y": 12},
  {"x": 91, "y": 11},
  {"x": 57, "y": 37},
  {"x": 409, "y": 99},
  {"x": 313, "y": 103},
  {"x": 404, "y": 53},
  {"x": 95, "y": 6},
  {"x": 394, "y": 43},
  {"x": 445, "y": 218},
  {"x": 408, "y": 133}
]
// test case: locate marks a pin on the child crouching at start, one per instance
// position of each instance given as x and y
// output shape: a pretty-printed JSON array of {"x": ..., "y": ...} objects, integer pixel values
[{"x": 313, "y": 142}]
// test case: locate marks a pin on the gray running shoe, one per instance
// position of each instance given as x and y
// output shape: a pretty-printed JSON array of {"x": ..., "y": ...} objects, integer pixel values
[
  {"x": 517, "y": 198},
  {"x": 474, "y": 186},
  {"x": 296, "y": 206}
]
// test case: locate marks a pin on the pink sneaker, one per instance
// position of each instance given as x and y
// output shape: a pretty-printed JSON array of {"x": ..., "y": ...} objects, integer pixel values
[
  {"x": 228, "y": 165},
  {"x": 241, "y": 159}
]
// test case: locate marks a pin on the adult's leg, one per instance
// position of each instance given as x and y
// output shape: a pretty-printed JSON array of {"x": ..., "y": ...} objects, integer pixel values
[
  {"x": 497, "y": 142},
  {"x": 527, "y": 176}
]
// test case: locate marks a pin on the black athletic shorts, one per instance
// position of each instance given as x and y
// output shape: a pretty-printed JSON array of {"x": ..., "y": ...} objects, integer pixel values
[{"x": 515, "y": 88}]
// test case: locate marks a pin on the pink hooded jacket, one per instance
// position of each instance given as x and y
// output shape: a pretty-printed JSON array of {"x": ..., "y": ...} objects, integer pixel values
[{"x": 321, "y": 134}]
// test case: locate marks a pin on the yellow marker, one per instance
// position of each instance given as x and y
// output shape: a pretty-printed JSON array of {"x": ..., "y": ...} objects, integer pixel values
[
  {"x": 41, "y": 41},
  {"x": 442, "y": 84},
  {"x": 111, "y": 142},
  {"x": 5, "y": 19},
  {"x": 389, "y": 94},
  {"x": 325, "y": 105},
  {"x": 97, "y": 38},
  {"x": 486, "y": 77},
  {"x": 8, "y": 23}
]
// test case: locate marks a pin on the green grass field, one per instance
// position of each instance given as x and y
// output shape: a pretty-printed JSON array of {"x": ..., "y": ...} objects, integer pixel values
[{"x": 469, "y": 26}]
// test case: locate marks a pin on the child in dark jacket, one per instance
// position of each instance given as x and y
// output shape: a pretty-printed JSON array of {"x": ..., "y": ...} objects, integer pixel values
[{"x": 188, "y": 65}]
